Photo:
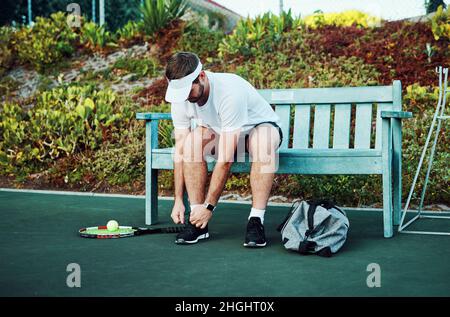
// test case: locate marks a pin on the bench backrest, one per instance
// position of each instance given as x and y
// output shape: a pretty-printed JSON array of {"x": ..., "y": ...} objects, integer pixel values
[{"x": 323, "y": 117}]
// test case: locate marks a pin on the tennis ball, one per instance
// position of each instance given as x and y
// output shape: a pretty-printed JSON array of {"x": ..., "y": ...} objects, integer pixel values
[{"x": 112, "y": 225}]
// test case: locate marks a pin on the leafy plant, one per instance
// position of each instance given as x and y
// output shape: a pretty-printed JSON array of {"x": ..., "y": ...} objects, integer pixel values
[
  {"x": 96, "y": 37},
  {"x": 117, "y": 163},
  {"x": 141, "y": 67},
  {"x": 258, "y": 36},
  {"x": 7, "y": 86},
  {"x": 48, "y": 41},
  {"x": 201, "y": 40},
  {"x": 130, "y": 32},
  {"x": 6, "y": 48},
  {"x": 159, "y": 13},
  {"x": 346, "y": 18},
  {"x": 440, "y": 24},
  {"x": 64, "y": 120}
]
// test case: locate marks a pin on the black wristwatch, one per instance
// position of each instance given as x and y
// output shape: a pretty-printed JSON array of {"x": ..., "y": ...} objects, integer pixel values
[{"x": 210, "y": 207}]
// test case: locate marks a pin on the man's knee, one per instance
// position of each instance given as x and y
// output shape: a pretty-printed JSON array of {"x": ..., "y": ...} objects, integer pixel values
[
  {"x": 192, "y": 147},
  {"x": 195, "y": 143},
  {"x": 263, "y": 142}
]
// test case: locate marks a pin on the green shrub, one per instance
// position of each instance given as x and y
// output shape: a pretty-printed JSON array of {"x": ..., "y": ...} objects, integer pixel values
[
  {"x": 117, "y": 163},
  {"x": 201, "y": 40},
  {"x": 46, "y": 43},
  {"x": 440, "y": 24},
  {"x": 12, "y": 134},
  {"x": 238, "y": 182},
  {"x": 343, "y": 71},
  {"x": 139, "y": 66},
  {"x": 347, "y": 190},
  {"x": 96, "y": 37},
  {"x": 346, "y": 18},
  {"x": 157, "y": 14},
  {"x": 422, "y": 102},
  {"x": 64, "y": 121},
  {"x": 282, "y": 69},
  {"x": 8, "y": 85},
  {"x": 130, "y": 32},
  {"x": 259, "y": 35},
  {"x": 6, "y": 49}
]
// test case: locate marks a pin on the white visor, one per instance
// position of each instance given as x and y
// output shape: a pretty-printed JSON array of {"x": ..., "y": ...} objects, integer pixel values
[{"x": 179, "y": 89}]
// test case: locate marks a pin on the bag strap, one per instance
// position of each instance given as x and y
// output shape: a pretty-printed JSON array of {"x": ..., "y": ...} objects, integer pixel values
[
  {"x": 311, "y": 211},
  {"x": 305, "y": 246},
  {"x": 288, "y": 216},
  {"x": 324, "y": 202},
  {"x": 313, "y": 203}
]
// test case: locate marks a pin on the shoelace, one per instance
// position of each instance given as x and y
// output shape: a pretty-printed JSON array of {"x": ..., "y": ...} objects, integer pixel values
[{"x": 190, "y": 228}]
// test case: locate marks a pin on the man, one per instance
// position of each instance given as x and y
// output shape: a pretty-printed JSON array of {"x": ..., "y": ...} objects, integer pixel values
[{"x": 231, "y": 118}]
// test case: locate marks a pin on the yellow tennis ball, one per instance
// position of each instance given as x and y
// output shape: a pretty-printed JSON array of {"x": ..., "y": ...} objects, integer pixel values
[{"x": 112, "y": 225}]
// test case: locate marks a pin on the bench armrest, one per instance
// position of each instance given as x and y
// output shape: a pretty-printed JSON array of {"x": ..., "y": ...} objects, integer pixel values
[
  {"x": 396, "y": 114},
  {"x": 153, "y": 116}
]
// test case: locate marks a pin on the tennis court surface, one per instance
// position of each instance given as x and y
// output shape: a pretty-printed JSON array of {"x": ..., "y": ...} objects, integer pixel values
[{"x": 39, "y": 239}]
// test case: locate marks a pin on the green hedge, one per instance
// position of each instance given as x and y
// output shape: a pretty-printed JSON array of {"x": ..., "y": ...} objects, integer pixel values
[{"x": 88, "y": 136}]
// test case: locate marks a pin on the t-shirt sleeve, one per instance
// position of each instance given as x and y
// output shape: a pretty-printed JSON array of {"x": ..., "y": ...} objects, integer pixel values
[
  {"x": 179, "y": 116},
  {"x": 233, "y": 111}
]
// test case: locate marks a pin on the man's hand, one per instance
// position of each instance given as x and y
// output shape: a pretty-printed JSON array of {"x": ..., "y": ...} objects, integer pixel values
[
  {"x": 200, "y": 216},
  {"x": 178, "y": 211}
]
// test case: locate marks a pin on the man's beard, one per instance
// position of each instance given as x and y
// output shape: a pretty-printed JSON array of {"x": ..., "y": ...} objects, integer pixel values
[{"x": 202, "y": 90}]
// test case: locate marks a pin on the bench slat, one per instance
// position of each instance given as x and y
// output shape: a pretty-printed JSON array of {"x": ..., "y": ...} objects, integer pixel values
[
  {"x": 321, "y": 138},
  {"x": 324, "y": 165},
  {"x": 333, "y": 95},
  {"x": 363, "y": 125},
  {"x": 313, "y": 164},
  {"x": 378, "y": 136},
  {"x": 341, "y": 133},
  {"x": 284, "y": 112},
  {"x": 302, "y": 120},
  {"x": 304, "y": 152}
]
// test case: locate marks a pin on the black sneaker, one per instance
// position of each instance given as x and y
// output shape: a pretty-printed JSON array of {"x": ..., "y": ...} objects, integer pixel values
[
  {"x": 191, "y": 234},
  {"x": 255, "y": 236}
]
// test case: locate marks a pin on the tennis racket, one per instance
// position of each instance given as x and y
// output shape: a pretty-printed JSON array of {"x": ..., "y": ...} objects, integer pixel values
[{"x": 101, "y": 232}]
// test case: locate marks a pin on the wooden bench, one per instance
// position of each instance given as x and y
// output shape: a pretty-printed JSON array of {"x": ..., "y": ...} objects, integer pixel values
[{"x": 374, "y": 147}]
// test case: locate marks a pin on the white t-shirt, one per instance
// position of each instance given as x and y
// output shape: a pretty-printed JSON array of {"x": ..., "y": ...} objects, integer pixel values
[{"x": 232, "y": 103}]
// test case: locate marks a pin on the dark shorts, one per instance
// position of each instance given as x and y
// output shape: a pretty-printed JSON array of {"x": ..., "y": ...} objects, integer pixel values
[
  {"x": 247, "y": 135},
  {"x": 245, "y": 138}
]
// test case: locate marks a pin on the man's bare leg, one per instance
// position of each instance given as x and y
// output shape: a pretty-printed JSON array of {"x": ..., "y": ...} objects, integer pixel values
[
  {"x": 194, "y": 165},
  {"x": 195, "y": 175},
  {"x": 263, "y": 142}
]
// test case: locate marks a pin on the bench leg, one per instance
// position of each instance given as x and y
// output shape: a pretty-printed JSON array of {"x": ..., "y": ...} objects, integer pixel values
[
  {"x": 151, "y": 175},
  {"x": 387, "y": 205},
  {"x": 151, "y": 197},
  {"x": 387, "y": 179},
  {"x": 397, "y": 169}
]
